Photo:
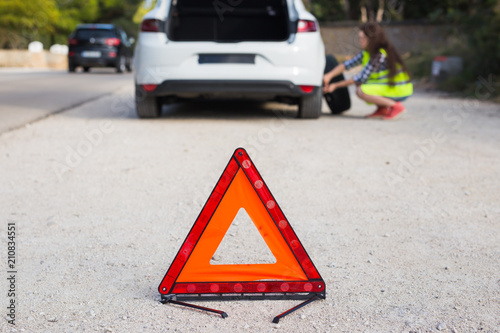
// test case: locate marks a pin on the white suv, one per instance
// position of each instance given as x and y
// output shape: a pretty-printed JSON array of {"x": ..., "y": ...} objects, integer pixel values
[{"x": 257, "y": 49}]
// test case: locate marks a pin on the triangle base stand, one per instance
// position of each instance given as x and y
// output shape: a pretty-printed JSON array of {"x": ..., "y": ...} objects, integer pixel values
[
  {"x": 166, "y": 300},
  {"x": 221, "y": 313},
  {"x": 278, "y": 317}
]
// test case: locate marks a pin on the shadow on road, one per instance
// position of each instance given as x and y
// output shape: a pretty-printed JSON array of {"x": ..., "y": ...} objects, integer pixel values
[
  {"x": 227, "y": 109},
  {"x": 235, "y": 109}
]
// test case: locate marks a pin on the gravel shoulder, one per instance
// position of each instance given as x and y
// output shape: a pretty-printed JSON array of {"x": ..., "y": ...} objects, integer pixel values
[{"x": 402, "y": 218}]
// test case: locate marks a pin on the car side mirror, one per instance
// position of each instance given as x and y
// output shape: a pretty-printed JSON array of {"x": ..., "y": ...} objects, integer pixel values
[{"x": 131, "y": 40}]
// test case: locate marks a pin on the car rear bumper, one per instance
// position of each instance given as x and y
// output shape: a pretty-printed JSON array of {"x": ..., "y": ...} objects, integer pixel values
[
  {"x": 227, "y": 89},
  {"x": 107, "y": 56},
  {"x": 102, "y": 61},
  {"x": 158, "y": 59}
]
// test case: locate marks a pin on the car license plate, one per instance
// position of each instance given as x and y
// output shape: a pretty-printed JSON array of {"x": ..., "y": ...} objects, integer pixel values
[
  {"x": 91, "y": 54},
  {"x": 226, "y": 59}
]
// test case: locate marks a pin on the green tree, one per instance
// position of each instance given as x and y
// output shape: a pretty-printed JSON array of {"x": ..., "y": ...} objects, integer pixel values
[
  {"x": 120, "y": 12},
  {"x": 51, "y": 21},
  {"x": 475, "y": 26},
  {"x": 422, "y": 9},
  {"x": 24, "y": 21},
  {"x": 76, "y": 11},
  {"x": 479, "y": 22},
  {"x": 73, "y": 12},
  {"x": 328, "y": 10}
]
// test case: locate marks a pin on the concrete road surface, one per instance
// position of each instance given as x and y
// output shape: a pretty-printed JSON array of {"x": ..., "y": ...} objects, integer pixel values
[
  {"x": 401, "y": 218},
  {"x": 27, "y": 95}
]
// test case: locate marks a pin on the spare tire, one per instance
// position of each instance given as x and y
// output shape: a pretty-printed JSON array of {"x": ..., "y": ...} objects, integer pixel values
[{"x": 339, "y": 100}]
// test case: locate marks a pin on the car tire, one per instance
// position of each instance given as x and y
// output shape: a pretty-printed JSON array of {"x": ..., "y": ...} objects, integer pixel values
[
  {"x": 147, "y": 106},
  {"x": 120, "y": 64},
  {"x": 86, "y": 69},
  {"x": 339, "y": 100},
  {"x": 310, "y": 105},
  {"x": 71, "y": 68}
]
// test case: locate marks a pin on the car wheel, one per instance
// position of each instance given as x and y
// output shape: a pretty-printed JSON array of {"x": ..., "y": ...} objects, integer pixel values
[
  {"x": 147, "y": 106},
  {"x": 310, "y": 105},
  {"x": 120, "y": 65},
  {"x": 71, "y": 68},
  {"x": 86, "y": 69},
  {"x": 339, "y": 100}
]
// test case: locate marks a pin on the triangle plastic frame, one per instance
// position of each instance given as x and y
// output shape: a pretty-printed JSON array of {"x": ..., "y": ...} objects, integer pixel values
[{"x": 257, "y": 281}]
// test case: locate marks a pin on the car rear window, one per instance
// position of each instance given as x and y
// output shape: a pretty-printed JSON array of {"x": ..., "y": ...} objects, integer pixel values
[
  {"x": 251, "y": 20},
  {"x": 94, "y": 33}
]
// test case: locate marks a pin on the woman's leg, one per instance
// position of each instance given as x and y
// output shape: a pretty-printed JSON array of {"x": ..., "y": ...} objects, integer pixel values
[{"x": 377, "y": 100}]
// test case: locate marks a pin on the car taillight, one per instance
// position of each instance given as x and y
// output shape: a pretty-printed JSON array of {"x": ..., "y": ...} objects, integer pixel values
[
  {"x": 71, "y": 53},
  {"x": 112, "y": 54},
  {"x": 306, "y": 26},
  {"x": 307, "y": 89},
  {"x": 149, "y": 87},
  {"x": 73, "y": 41},
  {"x": 150, "y": 25},
  {"x": 112, "y": 41}
]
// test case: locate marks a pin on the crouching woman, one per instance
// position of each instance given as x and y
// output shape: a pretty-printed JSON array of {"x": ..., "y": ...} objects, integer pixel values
[{"x": 384, "y": 79}]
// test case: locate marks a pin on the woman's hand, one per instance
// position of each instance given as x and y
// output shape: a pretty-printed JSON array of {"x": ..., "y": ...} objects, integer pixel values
[
  {"x": 339, "y": 69},
  {"x": 330, "y": 88}
]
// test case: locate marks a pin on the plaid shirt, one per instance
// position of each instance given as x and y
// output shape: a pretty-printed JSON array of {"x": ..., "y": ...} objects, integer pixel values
[{"x": 376, "y": 64}]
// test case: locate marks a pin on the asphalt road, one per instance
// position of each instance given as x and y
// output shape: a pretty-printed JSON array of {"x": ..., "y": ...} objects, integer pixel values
[
  {"x": 27, "y": 95},
  {"x": 401, "y": 218}
]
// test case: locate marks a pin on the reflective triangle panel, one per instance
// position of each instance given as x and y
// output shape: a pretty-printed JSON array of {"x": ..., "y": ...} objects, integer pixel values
[{"x": 240, "y": 194}]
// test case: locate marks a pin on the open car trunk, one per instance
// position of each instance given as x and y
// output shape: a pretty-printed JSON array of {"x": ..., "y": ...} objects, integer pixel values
[{"x": 228, "y": 20}]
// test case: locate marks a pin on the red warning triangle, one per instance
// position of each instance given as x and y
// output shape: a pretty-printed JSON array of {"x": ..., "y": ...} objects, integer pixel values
[{"x": 191, "y": 275}]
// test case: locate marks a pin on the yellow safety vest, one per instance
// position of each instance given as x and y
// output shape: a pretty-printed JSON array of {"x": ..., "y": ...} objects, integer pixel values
[{"x": 378, "y": 82}]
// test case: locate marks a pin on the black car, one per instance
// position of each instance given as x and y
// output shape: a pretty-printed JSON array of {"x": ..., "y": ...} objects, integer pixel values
[{"x": 99, "y": 45}]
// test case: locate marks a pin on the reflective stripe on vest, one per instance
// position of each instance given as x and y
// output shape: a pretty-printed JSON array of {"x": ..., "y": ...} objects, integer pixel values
[{"x": 378, "y": 82}]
